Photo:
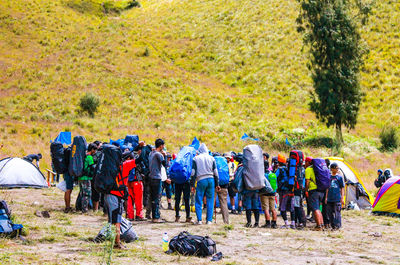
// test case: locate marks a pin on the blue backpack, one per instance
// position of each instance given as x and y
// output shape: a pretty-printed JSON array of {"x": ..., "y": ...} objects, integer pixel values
[
  {"x": 322, "y": 174},
  {"x": 285, "y": 182},
  {"x": 238, "y": 180},
  {"x": 181, "y": 168},
  {"x": 130, "y": 142},
  {"x": 223, "y": 170}
]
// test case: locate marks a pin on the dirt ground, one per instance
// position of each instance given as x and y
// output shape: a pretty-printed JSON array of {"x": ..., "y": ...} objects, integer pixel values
[{"x": 66, "y": 238}]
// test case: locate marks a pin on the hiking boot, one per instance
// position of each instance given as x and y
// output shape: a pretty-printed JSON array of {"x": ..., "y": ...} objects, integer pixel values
[
  {"x": 292, "y": 226},
  {"x": 140, "y": 219},
  {"x": 68, "y": 210},
  {"x": 188, "y": 220},
  {"x": 177, "y": 219},
  {"x": 148, "y": 216},
  {"x": 299, "y": 227},
  {"x": 170, "y": 207},
  {"x": 158, "y": 221},
  {"x": 239, "y": 212},
  {"x": 274, "y": 226},
  {"x": 327, "y": 226},
  {"x": 267, "y": 225},
  {"x": 284, "y": 227},
  {"x": 198, "y": 223},
  {"x": 247, "y": 225},
  {"x": 256, "y": 225},
  {"x": 119, "y": 246},
  {"x": 233, "y": 212},
  {"x": 318, "y": 228}
]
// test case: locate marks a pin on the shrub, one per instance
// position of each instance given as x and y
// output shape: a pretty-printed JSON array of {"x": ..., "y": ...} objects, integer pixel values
[
  {"x": 89, "y": 103},
  {"x": 389, "y": 138}
]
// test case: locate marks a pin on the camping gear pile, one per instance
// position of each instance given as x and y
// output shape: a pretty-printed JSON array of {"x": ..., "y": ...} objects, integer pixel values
[{"x": 192, "y": 245}]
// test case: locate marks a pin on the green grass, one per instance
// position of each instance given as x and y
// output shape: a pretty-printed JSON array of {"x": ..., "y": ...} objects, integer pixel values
[{"x": 179, "y": 69}]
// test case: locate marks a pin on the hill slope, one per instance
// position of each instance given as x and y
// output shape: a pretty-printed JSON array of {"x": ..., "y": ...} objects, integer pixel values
[{"x": 177, "y": 69}]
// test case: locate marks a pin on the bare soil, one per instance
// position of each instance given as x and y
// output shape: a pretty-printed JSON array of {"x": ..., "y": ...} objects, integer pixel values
[{"x": 67, "y": 238}]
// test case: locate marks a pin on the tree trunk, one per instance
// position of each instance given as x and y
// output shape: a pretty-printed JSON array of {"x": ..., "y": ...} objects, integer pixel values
[{"x": 339, "y": 135}]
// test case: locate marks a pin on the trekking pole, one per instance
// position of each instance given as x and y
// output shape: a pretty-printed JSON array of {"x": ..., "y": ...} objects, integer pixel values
[{"x": 215, "y": 214}]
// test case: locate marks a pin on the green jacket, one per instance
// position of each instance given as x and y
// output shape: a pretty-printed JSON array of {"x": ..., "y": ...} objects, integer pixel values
[{"x": 87, "y": 174}]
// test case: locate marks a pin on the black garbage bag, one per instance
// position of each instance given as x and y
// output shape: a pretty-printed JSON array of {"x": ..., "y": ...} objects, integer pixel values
[{"x": 192, "y": 245}]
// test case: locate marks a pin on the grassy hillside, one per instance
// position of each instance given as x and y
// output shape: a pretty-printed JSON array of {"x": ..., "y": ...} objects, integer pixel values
[{"x": 179, "y": 69}]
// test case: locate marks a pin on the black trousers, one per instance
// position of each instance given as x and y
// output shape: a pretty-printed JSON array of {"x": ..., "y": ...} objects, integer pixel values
[{"x": 185, "y": 189}]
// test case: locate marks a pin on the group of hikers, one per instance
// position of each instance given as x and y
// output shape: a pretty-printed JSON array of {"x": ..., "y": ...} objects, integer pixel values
[{"x": 142, "y": 173}]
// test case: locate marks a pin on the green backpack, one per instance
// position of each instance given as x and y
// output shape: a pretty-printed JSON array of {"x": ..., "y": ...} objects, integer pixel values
[{"x": 272, "y": 180}]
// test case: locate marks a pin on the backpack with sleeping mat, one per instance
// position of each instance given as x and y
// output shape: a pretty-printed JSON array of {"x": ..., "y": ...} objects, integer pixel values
[
  {"x": 322, "y": 174},
  {"x": 296, "y": 159}
]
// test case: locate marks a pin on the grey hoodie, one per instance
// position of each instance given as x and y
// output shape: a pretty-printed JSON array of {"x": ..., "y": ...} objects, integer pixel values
[{"x": 204, "y": 166}]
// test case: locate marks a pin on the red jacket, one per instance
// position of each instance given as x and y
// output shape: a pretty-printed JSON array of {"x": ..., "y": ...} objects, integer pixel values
[{"x": 127, "y": 166}]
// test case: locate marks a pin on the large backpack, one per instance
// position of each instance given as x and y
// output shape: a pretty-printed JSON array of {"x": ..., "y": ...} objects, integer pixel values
[
  {"x": 130, "y": 142},
  {"x": 128, "y": 234},
  {"x": 271, "y": 177},
  {"x": 223, "y": 170},
  {"x": 7, "y": 227},
  {"x": 192, "y": 245},
  {"x": 57, "y": 157},
  {"x": 285, "y": 183},
  {"x": 296, "y": 159},
  {"x": 78, "y": 155},
  {"x": 237, "y": 183},
  {"x": 108, "y": 169},
  {"x": 181, "y": 168},
  {"x": 322, "y": 174},
  {"x": 253, "y": 167},
  {"x": 142, "y": 162}
]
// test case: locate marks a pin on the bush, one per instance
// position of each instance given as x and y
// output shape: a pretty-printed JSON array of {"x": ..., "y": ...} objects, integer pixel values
[
  {"x": 89, "y": 103},
  {"x": 389, "y": 138}
]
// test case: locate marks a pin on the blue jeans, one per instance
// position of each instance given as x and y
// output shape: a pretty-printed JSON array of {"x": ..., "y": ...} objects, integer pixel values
[
  {"x": 207, "y": 187},
  {"x": 155, "y": 191},
  {"x": 250, "y": 200}
]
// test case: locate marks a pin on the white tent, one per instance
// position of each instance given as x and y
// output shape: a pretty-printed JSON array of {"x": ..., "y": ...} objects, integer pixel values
[{"x": 19, "y": 173}]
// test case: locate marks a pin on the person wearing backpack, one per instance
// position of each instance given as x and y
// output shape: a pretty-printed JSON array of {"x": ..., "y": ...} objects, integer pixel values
[
  {"x": 315, "y": 194},
  {"x": 156, "y": 161},
  {"x": 168, "y": 186},
  {"x": 286, "y": 196},
  {"x": 334, "y": 198},
  {"x": 185, "y": 189},
  {"x": 223, "y": 178},
  {"x": 84, "y": 181},
  {"x": 205, "y": 172},
  {"x": 95, "y": 194},
  {"x": 308, "y": 163},
  {"x": 268, "y": 202},
  {"x": 299, "y": 214}
]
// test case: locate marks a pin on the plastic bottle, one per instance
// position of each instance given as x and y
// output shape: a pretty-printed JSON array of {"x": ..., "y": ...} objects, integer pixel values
[{"x": 165, "y": 245}]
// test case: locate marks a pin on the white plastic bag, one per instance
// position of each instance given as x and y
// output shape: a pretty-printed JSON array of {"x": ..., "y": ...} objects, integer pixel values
[
  {"x": 163, "y": 174},
  {"x": 62, "y": 186}
]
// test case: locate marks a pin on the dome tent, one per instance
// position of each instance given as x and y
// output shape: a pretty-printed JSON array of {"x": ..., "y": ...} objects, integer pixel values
[
  {"x": 387, "y": 201},
  {"x": 355, "y": 191},
  {"x": 19, "y": 173}
]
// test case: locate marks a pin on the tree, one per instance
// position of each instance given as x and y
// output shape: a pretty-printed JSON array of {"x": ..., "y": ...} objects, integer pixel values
[{"x": 336, "y": 56}]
